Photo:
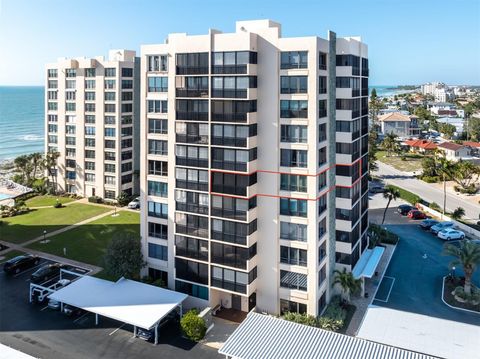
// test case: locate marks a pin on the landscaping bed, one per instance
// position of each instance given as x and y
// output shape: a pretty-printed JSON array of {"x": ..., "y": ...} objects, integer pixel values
[
  {"x": 88, "y": 243},
  {"x": 24, "y": 227},
  {"x": 449, "y": 286},
  {"x": 47, "y": 200}
]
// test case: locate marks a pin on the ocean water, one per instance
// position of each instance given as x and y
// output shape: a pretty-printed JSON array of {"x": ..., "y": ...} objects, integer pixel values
[
  {"x": 21, "y": 121},
  {"x": 385, "y": 90}
]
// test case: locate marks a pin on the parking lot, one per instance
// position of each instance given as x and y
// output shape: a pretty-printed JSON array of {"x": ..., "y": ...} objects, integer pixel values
[
  {"x": 413, "y": 280},
  {"x": 39, "y": 331}
]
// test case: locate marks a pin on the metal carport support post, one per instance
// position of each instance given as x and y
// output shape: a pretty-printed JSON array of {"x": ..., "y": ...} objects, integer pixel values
[
  {"x": 156, "y": 333},
  {"x": 96, "y": 319},
  {"x": 134, "y": 331}
]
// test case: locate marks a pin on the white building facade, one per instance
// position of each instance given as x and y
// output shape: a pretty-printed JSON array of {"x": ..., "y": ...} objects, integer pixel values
[
  {"x": 92, "y": 120},
  {"x": 253, "y": 173}
]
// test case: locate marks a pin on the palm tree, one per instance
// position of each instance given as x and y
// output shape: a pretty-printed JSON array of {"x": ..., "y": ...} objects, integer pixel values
[
  {"x": 390, "y": 143},
  {"x": 37, "y": 162},
  {"x": 467, "y": 254},
  {"x": 51, "y": 165},
  {"x": 347, "y": 282},
  {"x": 445, "y": 168},
  {"x": 390, "y": 193},
  {"x": 458, "y": 213}
]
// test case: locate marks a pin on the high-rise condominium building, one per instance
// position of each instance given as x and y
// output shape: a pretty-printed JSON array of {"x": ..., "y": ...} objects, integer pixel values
[
  {"x": 92, "y": 119},
  {"x": 254, "y": 165}
]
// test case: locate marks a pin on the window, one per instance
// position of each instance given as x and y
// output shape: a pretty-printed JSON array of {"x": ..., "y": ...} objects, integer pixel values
[
  {"x": 293, "y": 158},
  {"x": 194, "y": 290},
  {"x": 159, "y": 189},
  {"x": 191, "y": 271},
  {"x": 293, "y": 84},
  {"x": 109, "y": 120},
  {"x": 127, "y": 84},
  {"x": 90, "y": 72},
  {"x": 70, "y": 106},
  {"x": 70, "y": 141},
  {"x": 109, "y": 167},
  {"x": 232, "y": 111},
  {"x": 191, "y": 202},
  {"x": 293, "y": 280},
  {"x": 293, "y": 256},
  {"x": 127, "y": 120},
  {"x": 322, "y": 275},
  {"x": 127, "y": 179},
  {"x": 52, "y": 139},
  {"x": 293, "y": 133},
  {"x": 70, "y": 129},
  {"x": 349, "y": 60},
  {"x": 127, "y": 155},
  {"x": 232, "y": 280},
  {"x": 158, "y": 251},
  {"x": 157, "y": 62},
  {"x": 322, "y": 108},
  {"x": 232, "y": 62},
  {"x": 70, "y": 152},
  {"x": 293, "y": 207},
  {"x": 293, "y": 109},
  {"x": 127, "y": 72},
  {"x": 127, "y": 107},
  {"x": 157, "y": 126},
  {"x": 89, "y": 96},
  {"x": 110, "y": 194},
  {"x": 192, "y": 110},
  {"x": 110, "y": 84},
  {"x": 110, "y": 144},
  {"x": 89, "y": 107},
  {"x": 322, "y": 61},
  {"x": 157, "y": 106},
  {"x": 70, "y": 84},
  {"x": 70, "y": 95},
  {"x": 157, "y": 84},
  {"x": 110, "y": 72},
  {"x": 90, "y": 154},
  {"x": 296, "y": 183},
  {"x": 322, "y": 204},
  {"x": 110, "y": 156},
  {"x": 293, "y": 231},
  {"x": 159, "y": 210},
  {"x": 293, "y": 60},
  {"x": 232, "y": 256},
  {"x": 52, "y": 118},
  {"x": 110, "y": 107},
  {"x": 158, "y": 168},
  {"x": 89, "y": 84},
  {"x": 127, "y": 96},
  {"x": 90, "y": 166},
  {"x": 234, "y": 160},
  {"x": 322, "y": 156},
  {"x": 190, "y": 178},
  {"x": 70, "y": 119},
  {"x": 89, "y": 131},
  {"x": 232, "y": 232},
  {"x": 52, "y": 106},
  {"x": 192, "y": 63},
  {"x": 109, "y": 132},
  {"x": 127, "y": 131},
  {"x": 52, "y": 84},
  {"x": 191, "y": 156},
  {"x": 71, "y": 175},
  {"x": 126, "y": 167},
  {"x": 234, "y": 86},
  {"x": 191, "y": 247},
  {"x": 157, "y": 230},
  {"x": 52, "y": 72},
  {"x": 89, "y": 177},
  {"x": 70, "y": 163},
  {"x": 52, "y": 95},
  {"x": 110, "y": 96},
  {"x": 191, "y": 224},
  {"x": 52, "y": 128},
  {"x": 322, "y": 84},
  {"x": 322, "y": 180},
  {"x": 292, "y": 307},
  {"x": 157, "y": 147},
  {"x": 70, "y": 72},
  {"x": 231, "y": 208},
  {"x": 89, "y": 142},
  {"x": 110, "y": 180}
]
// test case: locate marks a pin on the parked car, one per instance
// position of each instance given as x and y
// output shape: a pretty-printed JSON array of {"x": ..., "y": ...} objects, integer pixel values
[
  {"x": 403, "y": 209},
  {"x": 46, "y": 272},
  {"x": 449, "y": 234},
  {"x": 53, "y": 304},
  {"x": 376, "y": 189},
  {"x": 134, "y": 204},
  {"x": 428, "y": 223},
  {"x": 72, "y": 311},
  {"x": 441, "y": 226},
  {"x": 19, "y": 263},
  {"x": 416, "y": 214},
  {"x": 149, "y": 335}
]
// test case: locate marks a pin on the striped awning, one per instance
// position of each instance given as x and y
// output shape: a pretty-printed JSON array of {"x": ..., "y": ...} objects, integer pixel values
[{"x": 265, "y": 337}]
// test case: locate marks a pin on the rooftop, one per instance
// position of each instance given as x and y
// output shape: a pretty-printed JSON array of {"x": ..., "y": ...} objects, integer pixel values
[
  {"x": 451, "y": 146},
  {"x": 426, "y": 145},
  {"x": 396, "y": 117}
]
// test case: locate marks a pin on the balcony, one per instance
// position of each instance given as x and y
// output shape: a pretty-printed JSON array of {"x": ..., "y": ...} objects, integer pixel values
[
  {"x": 229, "y": 69},
  {"x": 197, "y": 139},
  {"x": 183, "y": 92},
  {"x": 191, "y": 162},
  {"x": 229, "y": 141},
  {"x": 229, "y": 214},
  {"x": 191, "y": 207},
  {"x": 193, "y": 231},
  {"x": 294, "y": 113},
  {"x": 229, "y": 93},
  {"x": 192, "y": 116},
  {"x": 230, "y": 165},
  {"x": 192, "y": 70},
  {"x": 196, "y": 186}
]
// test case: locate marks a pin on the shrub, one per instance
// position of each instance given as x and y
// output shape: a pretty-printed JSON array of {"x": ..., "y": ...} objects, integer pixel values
[
  {"x": 57, "y": 205},
  {"x": 301, "y": 318},
  {"x": 193, "y": 326},
  {"x": 330, "y": 324},
  {"x": 434, "y": 206},
  {"x": 123, "y": 199},
  {"x": 430, "y": 179},
  {"x": 95, "y": 199},
  {"x": 472, "y": 189}
]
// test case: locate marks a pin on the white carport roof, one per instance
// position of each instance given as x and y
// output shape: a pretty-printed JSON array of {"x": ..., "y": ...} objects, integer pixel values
[
  {"x": 368, "y": 262},
  {"x": 128, "y": 301}
]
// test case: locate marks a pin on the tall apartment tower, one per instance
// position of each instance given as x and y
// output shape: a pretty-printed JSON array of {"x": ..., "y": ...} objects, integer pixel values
[
  {"x": 253, "y": 165},
  {"x": 92, "y": 119}
]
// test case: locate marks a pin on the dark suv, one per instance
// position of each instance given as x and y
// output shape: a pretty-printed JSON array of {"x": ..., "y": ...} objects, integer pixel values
[
  {"x": 46, "y": 272},
  {"x": 403, "y": 209},
  {"x": 17, "y": 264}
]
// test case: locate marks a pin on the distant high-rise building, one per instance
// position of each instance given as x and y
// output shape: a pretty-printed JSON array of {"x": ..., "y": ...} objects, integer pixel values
[
  {"x": 253, "y": 171},
  {"x": 92, "y": 119}
]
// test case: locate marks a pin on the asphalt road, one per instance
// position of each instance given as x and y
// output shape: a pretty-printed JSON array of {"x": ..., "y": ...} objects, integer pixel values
[
  {"x": 418, "y": 267},
  {"x": 44, "y": 333},
  {"x": 425, "y": 190}
]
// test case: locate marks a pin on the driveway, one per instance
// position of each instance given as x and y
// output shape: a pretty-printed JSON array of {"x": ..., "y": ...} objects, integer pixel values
[{"x": 426, "y": 191}]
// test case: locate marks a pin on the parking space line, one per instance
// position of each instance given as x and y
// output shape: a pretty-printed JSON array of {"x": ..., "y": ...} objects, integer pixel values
[
  {"x": 117, "y": 329},
  {"x": 76, "y": 320},
  {"x": 389, "y": 291},
  {"x": 45, "y": 307},
  {"x": 25, "y": 271}
]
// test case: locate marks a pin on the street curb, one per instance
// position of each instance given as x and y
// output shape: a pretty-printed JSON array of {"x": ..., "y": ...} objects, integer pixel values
[{"x": 451, "y": 306}]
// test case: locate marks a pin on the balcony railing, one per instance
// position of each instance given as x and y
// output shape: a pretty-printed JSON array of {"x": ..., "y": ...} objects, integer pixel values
[
  {"x": 203, "y": 140},
  {"x": 229, "y": 214},
  {"x": 192, "y": 162},
  {"x": 229, "y": 141},
  {"x": 193, "y": 231},
  {"x": 229, "y": 69},
  {"x": 191, "y": 207},
  {"x": 234, "y": 93},
  {"x": 196, "y": 186},
  {"x": 294, "y": 113},
  {"x": 230, "y": 238},
  {"x": 229, "y": 166},
  {"x": 192, "y": 116},
  {"x": 230, "y": 116},
  {"x": 232, "y": 286},
  {"x": 181, "y": 92},
  {"x": 192, "y": 70}
]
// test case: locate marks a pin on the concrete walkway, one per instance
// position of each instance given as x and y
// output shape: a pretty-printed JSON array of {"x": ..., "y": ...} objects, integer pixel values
[{"x": 371, "y": 287}]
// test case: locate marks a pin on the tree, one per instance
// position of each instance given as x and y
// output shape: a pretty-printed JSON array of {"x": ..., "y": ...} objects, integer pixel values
[
  {"x": 51, "y": 159},
  {"x": 124, "y": 256},
  {"x": 458, "y": 213},
  {"x": 447, "y": 129},
  {"x": 473, "y": 129},
  {"x": 390, "y": 144},
  {"x": 123, "y": 198},
  {"x": 24, "y": 168},
  {"x": 445, "y": 168},
  {"x": 193, "y": 326},
  {"x": 465, "y": 174},
  {"x": 425, "y": 118},
  {"x": 466, "y": 254},
  {"x": 390, "y": 193},
  {"x": 429, "y": 167},
  {"x": 37, "y": 163},
  {"x": 347, "y": 282}
]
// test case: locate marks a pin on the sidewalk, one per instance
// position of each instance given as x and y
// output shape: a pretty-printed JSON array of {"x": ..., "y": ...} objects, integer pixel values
[{"x": 371, "y": 287}]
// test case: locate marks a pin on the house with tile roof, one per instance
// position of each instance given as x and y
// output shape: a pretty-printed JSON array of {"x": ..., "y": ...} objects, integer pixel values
[
  {"x": 454, "y": 151},
  {"x": 400, "y": 124},
  {"x": 422, "y": 146}
]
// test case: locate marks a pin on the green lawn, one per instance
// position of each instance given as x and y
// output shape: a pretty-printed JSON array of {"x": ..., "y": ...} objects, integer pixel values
[
  {"x": 27, "y": 226},
  {"x": 413, "y": 162},
  {"x": 9, "y": 255},
  {"x": 88, "y": 242},
  {"x": 47, "y": 200}
]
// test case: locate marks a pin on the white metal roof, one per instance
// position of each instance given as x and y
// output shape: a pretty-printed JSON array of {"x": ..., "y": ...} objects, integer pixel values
[
  {"x": 9, "y": 353},
  {"x": 368, "y": 262},
  {"x": 126, "y": 300},
  {"x": 264, "y": 337}
]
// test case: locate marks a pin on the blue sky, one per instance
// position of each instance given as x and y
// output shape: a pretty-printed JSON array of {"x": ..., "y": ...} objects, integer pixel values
[{"x": 410, "y": 41}]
